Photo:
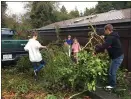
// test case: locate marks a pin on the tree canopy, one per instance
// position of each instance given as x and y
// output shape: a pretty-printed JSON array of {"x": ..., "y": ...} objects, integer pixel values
[
  {"x": 74, "y": 13},
  {"x": 41, "y": 13},
  {"x": 63, "y": 9},
  {"x": 3, "y": 9},
  {"x": 104, "y": 6}
]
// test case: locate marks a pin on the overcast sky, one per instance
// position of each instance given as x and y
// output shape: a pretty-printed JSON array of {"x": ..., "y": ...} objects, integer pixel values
[{"x": 18, "y": 7}]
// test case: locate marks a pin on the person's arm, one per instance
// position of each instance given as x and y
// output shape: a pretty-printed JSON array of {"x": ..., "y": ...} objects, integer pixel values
[
  {"x": 43, "y": 47},
  {"x": 26, "y": 48},
  {"x": 100, "y": 48},
  {"x": 40, "y": 46}
]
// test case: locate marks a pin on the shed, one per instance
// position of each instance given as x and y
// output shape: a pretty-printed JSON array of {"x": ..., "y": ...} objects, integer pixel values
[{"x": 79, "y": 27}]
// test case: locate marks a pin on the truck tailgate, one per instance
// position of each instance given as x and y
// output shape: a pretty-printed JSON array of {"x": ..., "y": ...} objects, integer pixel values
[
  {"x": 13, "y": 45},
  {"x": 12, "y": 49}
]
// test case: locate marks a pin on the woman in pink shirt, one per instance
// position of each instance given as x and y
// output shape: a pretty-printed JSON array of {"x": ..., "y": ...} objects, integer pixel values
[{"x": 75, "y": 49}]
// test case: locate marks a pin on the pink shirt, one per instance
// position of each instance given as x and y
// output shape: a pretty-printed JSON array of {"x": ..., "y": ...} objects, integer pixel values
[{"x": 76, "y": 47}]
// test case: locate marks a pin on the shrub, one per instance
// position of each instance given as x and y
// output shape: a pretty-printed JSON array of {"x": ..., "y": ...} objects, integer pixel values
[
  {"x": 50, "y": 97},
  {"x": 24, "y": 64},
  {"x": 62, "y": 73}
]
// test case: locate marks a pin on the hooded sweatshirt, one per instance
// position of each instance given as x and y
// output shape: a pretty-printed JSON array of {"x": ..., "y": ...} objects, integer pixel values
[
  {"x": 112, "y": 44},
  {"x": 33, "y": 48}
]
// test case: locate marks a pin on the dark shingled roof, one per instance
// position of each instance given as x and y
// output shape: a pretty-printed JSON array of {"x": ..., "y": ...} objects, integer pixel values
[{"x": 113, "y": 16}]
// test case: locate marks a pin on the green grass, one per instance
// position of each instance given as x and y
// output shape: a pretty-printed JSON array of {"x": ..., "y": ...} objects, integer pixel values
[
  {"x": 17, "y": 85},
  {"x": 20, "y": 83}
]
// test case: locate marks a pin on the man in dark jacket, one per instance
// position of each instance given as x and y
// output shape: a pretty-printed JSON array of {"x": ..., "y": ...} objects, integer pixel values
[{"x": 113, "y": 45}]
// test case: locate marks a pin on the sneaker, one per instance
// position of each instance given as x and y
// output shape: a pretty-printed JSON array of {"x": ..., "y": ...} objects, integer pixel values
[
  {"x": 109, "y": 87},
  {"x": 36, "y": 78},
  {"x": 36, "y": 74}
]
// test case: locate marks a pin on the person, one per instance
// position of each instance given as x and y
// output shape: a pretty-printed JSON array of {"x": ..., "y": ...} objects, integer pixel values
[
  {"x": 66, "y": 47},
  {"x": 35, "y": 56},
  {"x": 75, "y": 49},
  {"x": 69, "y": 42},
  {"x": 114, "y": 48}
]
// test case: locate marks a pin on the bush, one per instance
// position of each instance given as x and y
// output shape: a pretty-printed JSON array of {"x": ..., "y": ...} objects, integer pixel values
[
  {"x": 24, "y": 64},
  {"x": 50, "y": 97},
  {"x": 61, "y": 73}
]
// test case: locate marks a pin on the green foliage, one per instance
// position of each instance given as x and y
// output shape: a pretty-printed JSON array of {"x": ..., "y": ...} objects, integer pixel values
[
  {"x": 3, "y": 9},
  {"x": 112, "y": 5},
  {"x": 105, "y": 6},
  {"x": 24, "y": 64},
  {"x": 74, "y": 13},
  {"x": 16, "y": 84},
  {"x": 62, "y": 16},
  {"x": 90, "y": 70},
  {"x": 61, "y": 72},
  {"x": 22, "y": 35},
  {"x": 58, "y": 66},
  {"x": 12, "y": 22},
  {"x": 63, "y": 9},
  {"x": 57, "y": 30},
  {"x": 21, "y": 28},
  {"x": 50, "y": 97},
  {"x": 89, "y": 11},
  {"x": 42, "y": 13}
]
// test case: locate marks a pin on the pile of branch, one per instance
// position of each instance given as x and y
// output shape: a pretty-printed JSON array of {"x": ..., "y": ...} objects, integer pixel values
[{"x": 94, "y": 39}]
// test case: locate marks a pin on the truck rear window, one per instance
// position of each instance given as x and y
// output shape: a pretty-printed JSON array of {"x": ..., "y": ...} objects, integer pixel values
[
  {"x": 6, "y": 34},
  {"x": 6, "y": 37}
]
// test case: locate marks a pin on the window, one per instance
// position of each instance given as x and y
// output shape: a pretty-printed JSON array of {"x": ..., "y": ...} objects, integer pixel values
[{"x": 7, "y": 34}]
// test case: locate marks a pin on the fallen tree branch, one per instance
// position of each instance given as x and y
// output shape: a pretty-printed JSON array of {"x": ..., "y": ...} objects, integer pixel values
[
  {"x": 76, "y": 94},
  {"x": 97, "y": 40},
  {"x": 87, "y": 43},
  {"x": 93, "y": 36}
]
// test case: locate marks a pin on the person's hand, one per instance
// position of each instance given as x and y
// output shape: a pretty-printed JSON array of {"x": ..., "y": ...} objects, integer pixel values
[
  {"x": 102, "y": 36},
  {"x": 44, "y": 47}
]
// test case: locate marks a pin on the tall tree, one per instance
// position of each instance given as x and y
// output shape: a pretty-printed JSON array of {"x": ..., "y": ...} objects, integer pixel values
[
  {"x": 104, "y": 6},
  {"x": 63, "y": 9},
  {"x": 12, "y": 21},
  {"x": 74, "y": 13},
  {"x": 81, "y": 14},
  {"x": 89, "y": 11},
  {"x": 42, "y": 13},
  {"x": 62, "y": 14},
  {"x": 3, "y": 9}
]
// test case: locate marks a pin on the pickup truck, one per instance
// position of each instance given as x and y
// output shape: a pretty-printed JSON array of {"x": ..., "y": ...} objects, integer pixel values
[{"x": 11, "y": 49}]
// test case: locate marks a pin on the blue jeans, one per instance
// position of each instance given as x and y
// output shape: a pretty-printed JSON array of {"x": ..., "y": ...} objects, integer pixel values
[
  {"x": 38, "y": 65},
  {"x": 115, "y": 64}
]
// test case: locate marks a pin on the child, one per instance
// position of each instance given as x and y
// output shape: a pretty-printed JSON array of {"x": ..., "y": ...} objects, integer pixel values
[
  {"x": 35, "y": 56},
  {"x": 66, "y": 47},
  {"x": 69, "y": 42},
  {"x": 75, "y": 49}
]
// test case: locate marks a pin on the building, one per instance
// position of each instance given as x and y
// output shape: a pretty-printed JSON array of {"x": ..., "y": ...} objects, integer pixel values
[{"x": 79, "y": 27}]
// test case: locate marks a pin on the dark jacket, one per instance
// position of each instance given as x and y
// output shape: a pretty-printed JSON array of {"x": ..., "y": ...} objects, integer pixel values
[{"x": 112, "y": 44}]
